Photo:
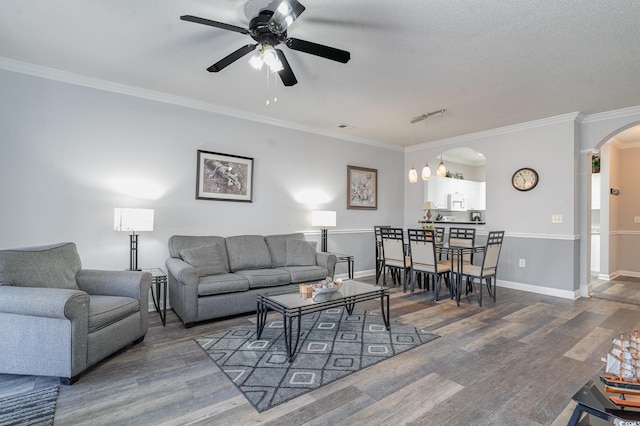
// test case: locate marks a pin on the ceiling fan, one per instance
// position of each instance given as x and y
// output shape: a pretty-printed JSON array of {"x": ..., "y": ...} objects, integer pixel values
[{"x": 269, "y": 29}]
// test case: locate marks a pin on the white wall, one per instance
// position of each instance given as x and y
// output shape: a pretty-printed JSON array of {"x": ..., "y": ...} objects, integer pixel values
[
  {"x": 550, "y": 250},
  {"x": 70, "y": 154}
]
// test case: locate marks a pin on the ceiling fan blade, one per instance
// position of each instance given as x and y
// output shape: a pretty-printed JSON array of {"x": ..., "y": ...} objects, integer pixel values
[
  {"x": 286, "y": 74},
  {"x": 216, "y": 24},
  {"x": 231, "y": 58},
  {"x": 319, "y": 50}
]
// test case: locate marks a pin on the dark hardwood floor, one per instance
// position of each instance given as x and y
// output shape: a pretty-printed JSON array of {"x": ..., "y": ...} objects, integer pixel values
[{"x": 516, "y": 361}]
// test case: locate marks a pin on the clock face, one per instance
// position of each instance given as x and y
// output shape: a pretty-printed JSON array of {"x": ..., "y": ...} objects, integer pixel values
[{"x": 525, "y": 179}]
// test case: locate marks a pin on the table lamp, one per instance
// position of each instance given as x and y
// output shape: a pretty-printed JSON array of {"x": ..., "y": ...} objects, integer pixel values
[
  {"x": 133, "y": 220},
  {"x": 323, "y": 218},
  {"x": 428, "y": 206}
]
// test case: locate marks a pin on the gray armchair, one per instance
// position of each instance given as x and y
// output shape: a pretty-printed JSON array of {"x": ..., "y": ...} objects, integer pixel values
[{"x": 57, "y": 319}]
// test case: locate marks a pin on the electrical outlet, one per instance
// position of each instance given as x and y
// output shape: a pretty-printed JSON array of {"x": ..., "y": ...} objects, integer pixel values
[
  {"x": 636, "y": 219},
  {"x": 523, "y": 263},
  {"x": 556, "y": 218}
]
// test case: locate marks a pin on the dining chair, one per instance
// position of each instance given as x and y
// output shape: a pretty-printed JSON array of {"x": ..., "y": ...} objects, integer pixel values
[
  {"x": 463, "y": 237},
  {"x": 489, "y": 268},
  {"x": 379, "y": 256},
  {"x": 424, "y": 259},
  {"x": 395, "y": 259}
]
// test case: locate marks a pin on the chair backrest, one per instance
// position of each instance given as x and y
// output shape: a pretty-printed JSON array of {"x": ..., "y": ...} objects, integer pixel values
[
  {"x": 421, "y": 247},
  {"x": 463, "y": 237},
  {"x": 439, "y": 233},
  {"x": 378, "y": 235},
  {"x": 492, "y": 252},
  {"x": 393, "y": 243}
]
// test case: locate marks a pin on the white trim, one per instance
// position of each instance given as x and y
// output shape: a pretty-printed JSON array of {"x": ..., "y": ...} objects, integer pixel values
[
  {"x": 498, "y": 131},
  {"x": 605, "y": 277},
  {"x": 338, "y": 231},
  {"x": 548, "y": 291},
  {"x": 624, "y": 232},
  {"x": 633, "y": 274},
  {"x": 619, "y": 113},
  {"x": 544, "y": 236},
  {"x": 110, "y": 86}
]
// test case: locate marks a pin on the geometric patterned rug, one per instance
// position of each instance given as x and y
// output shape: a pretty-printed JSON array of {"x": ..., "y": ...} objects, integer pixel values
[
  {"x": 332, "y": 345},
  {"x": 29, "y": 408}
]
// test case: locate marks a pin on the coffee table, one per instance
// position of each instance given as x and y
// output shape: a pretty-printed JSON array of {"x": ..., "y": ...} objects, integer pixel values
[{"x": 293, "y": 305}]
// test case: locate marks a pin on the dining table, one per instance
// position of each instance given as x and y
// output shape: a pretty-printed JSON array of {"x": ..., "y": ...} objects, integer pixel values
[{"x": 457, "y": 253}]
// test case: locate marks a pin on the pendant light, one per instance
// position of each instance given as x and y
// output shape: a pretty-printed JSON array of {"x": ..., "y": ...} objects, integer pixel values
[
  {"x": 441, "y": 171},
  {"x": 426, "y": 170},
  {"x": 413, "y": 175}
]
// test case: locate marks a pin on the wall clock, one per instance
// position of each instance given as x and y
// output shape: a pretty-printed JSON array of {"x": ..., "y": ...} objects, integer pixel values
[{"x": 525, "y": 179}]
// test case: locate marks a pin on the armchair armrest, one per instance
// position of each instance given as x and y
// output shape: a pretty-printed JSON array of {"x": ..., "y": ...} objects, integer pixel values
[
  {"x": 133, "y": 284},
  {"x": 44, "y": 302}
]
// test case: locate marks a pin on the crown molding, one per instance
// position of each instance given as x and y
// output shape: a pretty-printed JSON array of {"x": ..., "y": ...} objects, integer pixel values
[
  {"x": 138, "y": 92},
  {"x": 618, "y": 113},
  {"x": 564, "y": 118}
]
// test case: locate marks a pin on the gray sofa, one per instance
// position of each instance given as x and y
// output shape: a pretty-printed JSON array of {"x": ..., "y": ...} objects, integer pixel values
[
  {"x": 212, "y": 277},
  {"x": 57, "y": 319}
]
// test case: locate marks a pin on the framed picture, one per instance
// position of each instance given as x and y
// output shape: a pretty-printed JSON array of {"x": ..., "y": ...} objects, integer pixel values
[
  {"x": 459, "y": 176},
  {"x": 224, "y": 177},
  {"x": 362, "y": 188}
]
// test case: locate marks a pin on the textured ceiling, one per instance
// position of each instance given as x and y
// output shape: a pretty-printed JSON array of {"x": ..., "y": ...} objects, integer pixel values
[{"x": 489, "y": 63}]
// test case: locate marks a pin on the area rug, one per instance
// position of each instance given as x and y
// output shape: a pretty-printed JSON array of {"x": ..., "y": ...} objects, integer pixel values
[
  {"x": 332, "y": 345},
  {"x": 30, "y": 408}
]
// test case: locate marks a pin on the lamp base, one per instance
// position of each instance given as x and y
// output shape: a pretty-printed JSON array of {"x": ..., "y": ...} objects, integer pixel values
[
  {"x": 133, "y": 252},
  {"x": 323, "y": 246}
]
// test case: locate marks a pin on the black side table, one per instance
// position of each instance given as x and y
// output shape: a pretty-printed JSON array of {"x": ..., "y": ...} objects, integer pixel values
[
  {"x": 349, "y": 259},
  {"x": 160, "y": 281}
]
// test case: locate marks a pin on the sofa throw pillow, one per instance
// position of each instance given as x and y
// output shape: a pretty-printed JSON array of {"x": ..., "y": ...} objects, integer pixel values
[
  {"x": 207, "y": 260},
  {"x": 300, "y": 252},
  {"x": 247, "y": 252},
  {"x": 52, "y": 266}
]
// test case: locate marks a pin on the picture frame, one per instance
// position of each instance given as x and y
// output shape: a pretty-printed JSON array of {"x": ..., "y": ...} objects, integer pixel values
[
  {"x": 362, "y": 188},
  {"x": 224, "y": 177}
]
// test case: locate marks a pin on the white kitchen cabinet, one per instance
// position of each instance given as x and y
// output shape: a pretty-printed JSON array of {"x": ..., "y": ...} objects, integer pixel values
[
  {"x": 438, "y": 189},
  {"x": 595, "y": 191}
]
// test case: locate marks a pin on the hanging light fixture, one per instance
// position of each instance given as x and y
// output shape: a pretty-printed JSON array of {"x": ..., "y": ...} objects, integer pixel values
[
  {"x": 266, "y": 55},
  {"x": 413, "y": 175},
  {"x": 441, "y": 171},
  {"x": 426, "y": 170}
]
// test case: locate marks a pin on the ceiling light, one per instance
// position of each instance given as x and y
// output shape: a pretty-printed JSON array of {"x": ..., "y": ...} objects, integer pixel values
[
  {"x": 426, "y": 172},
  {"x": 256, "y": 61},
  {"x": 270, "y": 57},
  {"x": 413, "y": 175},
  {"x": 442, "y": 169},
  {"x": 284, "y": 15}
]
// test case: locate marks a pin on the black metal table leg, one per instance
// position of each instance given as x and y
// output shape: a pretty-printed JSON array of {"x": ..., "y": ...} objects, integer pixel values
[
  {"x": 261, "y": 313},
  {"x": 349, "y": 307},
  {"x": 290, "y": 346},
  {"x": 385, "y": 312}
]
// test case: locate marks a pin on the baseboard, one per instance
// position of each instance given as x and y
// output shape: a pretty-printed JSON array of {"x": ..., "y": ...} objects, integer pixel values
[
  {"x": 632, "y": 274},
  {"x": 547, "y": 291}
]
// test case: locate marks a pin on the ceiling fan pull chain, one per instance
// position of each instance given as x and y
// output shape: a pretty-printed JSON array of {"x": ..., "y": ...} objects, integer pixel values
[
  {"x": 267, "y": 71},
  {"x": 275, "y": 87}
]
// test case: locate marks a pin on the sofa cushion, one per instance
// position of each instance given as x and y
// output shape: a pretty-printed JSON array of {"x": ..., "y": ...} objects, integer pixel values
[
  {"x": 208, "y": 260},
  {"x": 277, "y": 245},
  {"x": 247, "y": 252},
  {"x": 107, "y": 310},
  {"x": 260, "y": 278},
  {"x": 300, "y": 252},
  {"x": 302, "y": 274},
  {"x": 223, "y": 283},
  {"x": 52, "y": 266},
  {"x": 179, "y": 242}
]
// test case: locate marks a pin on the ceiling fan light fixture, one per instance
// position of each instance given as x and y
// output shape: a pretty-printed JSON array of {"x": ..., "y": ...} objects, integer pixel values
[
  {"x": 256, "y": 61},
  {"x": 284, "y": 15},
  {"x": 270, "y": 57}
]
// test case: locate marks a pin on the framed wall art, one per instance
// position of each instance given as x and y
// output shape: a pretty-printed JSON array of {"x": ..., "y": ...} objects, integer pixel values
[
  {"x": 224, "y": 177},
  {"x": 362, "y": 188}
]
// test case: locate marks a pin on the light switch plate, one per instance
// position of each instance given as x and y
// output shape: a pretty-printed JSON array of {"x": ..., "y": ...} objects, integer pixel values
[{"x": 556, "y": 218}]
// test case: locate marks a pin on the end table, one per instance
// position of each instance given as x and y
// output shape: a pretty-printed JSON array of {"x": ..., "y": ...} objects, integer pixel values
[
  {"x": 349, "y": 259},
  {"x": 160, "y": 280}
]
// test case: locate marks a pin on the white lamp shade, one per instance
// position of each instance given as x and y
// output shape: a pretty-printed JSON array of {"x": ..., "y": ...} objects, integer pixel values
[
  {"x": 323, "y": 218},
  {"x": 133, "y": 220},
  {"x": 413, "y": 175},
  {"x": 429, "y": 205}
]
